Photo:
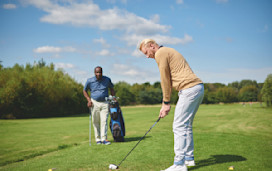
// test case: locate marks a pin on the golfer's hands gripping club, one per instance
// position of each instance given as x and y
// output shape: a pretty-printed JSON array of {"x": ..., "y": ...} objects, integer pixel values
[{"x": 165, "y": 109}]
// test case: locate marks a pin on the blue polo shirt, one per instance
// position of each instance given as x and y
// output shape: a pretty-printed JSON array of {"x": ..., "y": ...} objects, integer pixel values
[{"x": 98, "y": 88}]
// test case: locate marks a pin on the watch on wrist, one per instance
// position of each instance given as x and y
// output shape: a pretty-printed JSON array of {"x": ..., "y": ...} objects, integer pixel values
[{"x": 166, "y": 102}]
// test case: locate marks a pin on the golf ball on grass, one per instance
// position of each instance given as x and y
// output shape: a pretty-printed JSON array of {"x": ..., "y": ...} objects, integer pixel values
[
  {"x": 113, "y": 167},
  {"x": 231, "y": 168}
]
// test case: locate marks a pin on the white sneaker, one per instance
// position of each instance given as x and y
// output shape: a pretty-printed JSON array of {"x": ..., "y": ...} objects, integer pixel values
[
  {"x": 176, "y": 168},
  {"x": 189, "y": 162}
]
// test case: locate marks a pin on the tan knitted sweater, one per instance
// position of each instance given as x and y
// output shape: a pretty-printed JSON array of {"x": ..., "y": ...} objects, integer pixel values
[{"x": 175, "y": 72}]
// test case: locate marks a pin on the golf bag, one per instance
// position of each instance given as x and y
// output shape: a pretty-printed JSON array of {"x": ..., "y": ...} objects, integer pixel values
[{"x": 117, "y": 125}]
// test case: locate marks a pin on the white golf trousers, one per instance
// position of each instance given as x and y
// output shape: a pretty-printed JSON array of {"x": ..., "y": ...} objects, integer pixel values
[
  {"x": 100, "y": 113},
  {"x": 186, "y": 108}
]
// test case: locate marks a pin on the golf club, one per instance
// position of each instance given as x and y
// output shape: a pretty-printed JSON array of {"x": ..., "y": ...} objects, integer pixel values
[
  {"x": 113, "y": 166},
  {"x": 90, "y": 127}
]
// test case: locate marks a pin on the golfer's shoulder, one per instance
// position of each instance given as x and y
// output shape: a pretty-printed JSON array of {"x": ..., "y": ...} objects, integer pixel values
[{"x": 165, "y": 52}]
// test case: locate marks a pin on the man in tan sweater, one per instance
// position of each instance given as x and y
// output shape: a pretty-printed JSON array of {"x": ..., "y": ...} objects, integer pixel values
[{"x": 175, "y": 72}]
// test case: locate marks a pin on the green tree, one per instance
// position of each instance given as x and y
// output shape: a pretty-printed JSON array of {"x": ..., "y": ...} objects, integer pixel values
[
  {"x": 248, "y": 93},
  {"x": 260, "y": 86},
  {"x": 1, "y": 66},
  {"x": 126, "y": 97},
  {"x": 226, "y": 94},
  {"x": 174, "y": 96},
  {"x": 244, "y": 83},
  {"x": 234, "y": 84},
  {"x": 120, "y": 85},
  {"x": 135, "y": 90},
  {"x": 151, "y": 96},
  {"x": 267, "y": 90},
  {"x": 157, "y": 84},
  {"x": 38, "y": 91},
  {"x": 210, "y": 89},
  {"x": 122, "y": 90}
]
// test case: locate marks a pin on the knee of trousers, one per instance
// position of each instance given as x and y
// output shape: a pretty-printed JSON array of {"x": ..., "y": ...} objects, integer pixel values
[{"x": 180, "y": 130}]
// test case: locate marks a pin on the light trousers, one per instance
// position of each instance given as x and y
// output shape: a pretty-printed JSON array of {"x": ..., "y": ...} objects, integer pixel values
[
  {"x": 100, "y": 113},
  {"x": 186, "y": 108}
]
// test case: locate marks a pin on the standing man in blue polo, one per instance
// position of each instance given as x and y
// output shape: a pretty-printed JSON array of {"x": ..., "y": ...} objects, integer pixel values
[{"x": 99, "y": 86}]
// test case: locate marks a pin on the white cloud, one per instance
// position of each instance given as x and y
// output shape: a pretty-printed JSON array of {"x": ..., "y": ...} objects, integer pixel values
[
  {"x": 121, "y": 50},
  {"x": 64, "y": 65},
  {"x": 9, "y": 6},
  {"x": 179, "y": 1},
  {"x": 132, "y": 74},
  {"x": 114, "y": 1},
  {"x": 102, "y": 42},
  {"x": 133, "y": 28},
  {"x": 155, "y": 18},
  {"x": 79, "y": 75},
  {"x": 103, "y": 52},
  {"x": 51, "y": 49},
  {"x": 126, "y": 70},
  {"x": 187, "y": 39},
  {"x": 47, "y": 49},
  {"x": 89, "y": 14}
]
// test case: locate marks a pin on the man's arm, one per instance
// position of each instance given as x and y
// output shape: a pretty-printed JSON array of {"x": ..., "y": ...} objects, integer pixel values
[
  {"x": 166, "y": 88},
  {"x": 112, "y": 91},
  {"x": 166, "y": 83},
  {"x": 162, "y": 60},
  {"x": 86, "y": 95}
]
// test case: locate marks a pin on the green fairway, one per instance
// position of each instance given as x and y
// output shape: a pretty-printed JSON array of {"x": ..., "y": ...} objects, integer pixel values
[{"x": 225, "y": 135}]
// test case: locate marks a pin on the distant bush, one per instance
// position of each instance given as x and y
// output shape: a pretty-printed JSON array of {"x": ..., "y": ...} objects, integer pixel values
[{"x": 38, "y": 91}]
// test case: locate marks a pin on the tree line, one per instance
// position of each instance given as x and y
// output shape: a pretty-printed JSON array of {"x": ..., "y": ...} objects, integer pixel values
[
  {"x": 38, "y": 90},
  {"x": 238, "y": 91},
  {"x": 41, "y": 91}
]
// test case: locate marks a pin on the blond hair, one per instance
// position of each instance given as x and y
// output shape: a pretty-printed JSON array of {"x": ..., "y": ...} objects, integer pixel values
[{"x": 146, "y": 42}]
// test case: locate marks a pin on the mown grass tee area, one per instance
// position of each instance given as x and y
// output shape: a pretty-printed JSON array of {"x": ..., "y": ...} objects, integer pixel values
[{"x": 225, "y": 135}]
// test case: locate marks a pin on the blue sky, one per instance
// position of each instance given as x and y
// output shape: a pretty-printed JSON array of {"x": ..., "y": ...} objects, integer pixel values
[{"x": 222, "y": 40}]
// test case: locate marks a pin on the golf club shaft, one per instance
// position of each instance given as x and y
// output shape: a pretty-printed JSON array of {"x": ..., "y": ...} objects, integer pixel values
[
  {"x": 90, "y": 127},
  {"x": 139, "y": 141}
]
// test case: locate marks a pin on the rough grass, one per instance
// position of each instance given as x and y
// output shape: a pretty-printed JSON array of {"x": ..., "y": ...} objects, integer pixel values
[{"x": 225, "y": 135}]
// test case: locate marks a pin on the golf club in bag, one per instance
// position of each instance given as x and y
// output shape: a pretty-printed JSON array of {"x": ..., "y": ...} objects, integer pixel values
[
  {"x": 117, "y": 125},
  {"x": 113, "y": 166}
]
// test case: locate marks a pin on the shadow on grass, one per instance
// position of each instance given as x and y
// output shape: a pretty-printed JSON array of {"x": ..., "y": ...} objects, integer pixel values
[
  {"x": 217, "y": 159},
  {"x": 135, "y": 138},
  {"x": 38, "y": 153}
]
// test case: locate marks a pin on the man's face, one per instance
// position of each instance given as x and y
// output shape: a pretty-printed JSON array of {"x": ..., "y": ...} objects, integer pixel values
[
  {"x": 149, "y": 51},
  {"x": 98, "y": 73}
]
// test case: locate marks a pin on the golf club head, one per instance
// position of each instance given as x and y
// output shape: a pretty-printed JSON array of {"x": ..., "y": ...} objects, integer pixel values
[{"x": 113, "y": 167}]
